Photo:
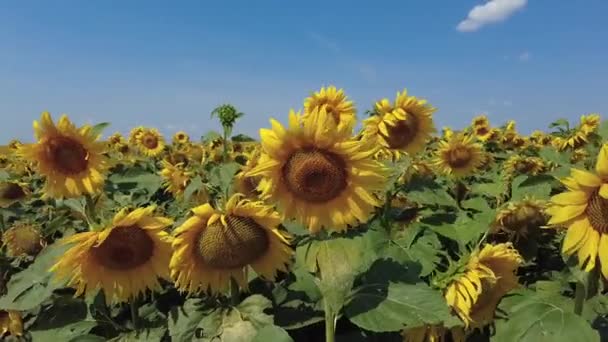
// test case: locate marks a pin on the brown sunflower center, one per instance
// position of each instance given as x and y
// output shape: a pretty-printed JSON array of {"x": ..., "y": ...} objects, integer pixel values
[
  {"x": 251, "y": 184},
  {"x": 22, "y": 239},
  {"x": 403, "y": 133},
  {"x": 459, "y": 157},
  {"x": 597, "y": 212},
  {"x": 236, "y": 245},
  {"x": 12, "y": 191},
  {"x": 67, "y": 155},
  {"x": 315, "y": 175},
  {"x": 150, "y": 141},
  {"x": 482, "y": 130},
  {"x": 524, "y": 166},
  {"x": 124, "y": 249}
]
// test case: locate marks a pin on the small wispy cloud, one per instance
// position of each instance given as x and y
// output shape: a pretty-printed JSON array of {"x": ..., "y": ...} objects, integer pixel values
[
  {"x": 324, "y": 41},
  {"x": 492, "y": 11},
  {"x": 524, "y": 56}
]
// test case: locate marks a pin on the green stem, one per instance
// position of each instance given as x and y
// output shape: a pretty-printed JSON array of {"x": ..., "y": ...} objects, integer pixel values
[
  {"x": 579, "y": 298},
  {"x": 134, "y": 313},
  {"x": 330, "y": 322},
  {"x": 234, "y": 292},
  {"x": 225, "y": 152}
]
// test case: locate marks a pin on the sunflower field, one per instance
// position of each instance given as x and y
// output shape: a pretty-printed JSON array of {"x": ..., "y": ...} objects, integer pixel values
[{"x": 333, "y": 225}]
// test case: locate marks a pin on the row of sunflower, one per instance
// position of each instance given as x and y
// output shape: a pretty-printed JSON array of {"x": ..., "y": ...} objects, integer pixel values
[{"x": 318, "y": 231}]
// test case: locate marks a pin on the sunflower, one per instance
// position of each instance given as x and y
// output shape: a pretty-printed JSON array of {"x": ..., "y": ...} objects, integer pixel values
[
  {"x": 176, "y": 180},
  {"x": 487, "y": 161},
  {"x": 578, "y": 155},
  {"x": 245, "y": 184},
  {"x": 316, "y": 175},
  {"x": 589, "y": 123},
  {"x": 22, "y": 239},
  {"x": 418, "y": 167},
  {"x": 488, "y": 275},
  {"x": 116, "y": 139},
  {"x": 12, "y": 192},
  {"x": 483, "y": 133},
  {"x": 14, "y": 144},
  {"x": 124, "y": 259},
  {"x": 134, "y": 134},
  {"x": 459, "y": 156},
  {"x": 480, "y": 120},
  {"x": 212, "y": 246},
  {"x": 337, "y": 105},
  {"x": 540, "y": 138},
  {"x": 517, "y": 164},
  {"x": 433, "y": 333},
  {"x": 70, "y": 158},
  {"x": 520, "y": 218},
  {"x": 404, "y": 129},
  {"x": 150, "y": 142},
  {"x": 406, "y": 212},
  {"x": 181, "y": 137},
  {"x": 10, "y": 323},
  {"x": 512, "y": 140},
  {"x": 583, "y": 210},
  {"x": 448, "y": 133}
]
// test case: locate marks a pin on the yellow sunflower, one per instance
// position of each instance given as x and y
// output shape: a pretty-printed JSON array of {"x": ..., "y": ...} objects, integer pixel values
[
  {"x": 14, "y": 144},
  {"x": 245, "y": 184},
  {"x": 480, "y": 120},
  {"x": 70, "y": 158},
  {"x": 458, "y": 156},
  {"x": 134, "y": 134},
  {"x": 448, "y": 133},
  {"x": 575, "y": 139},
  {"x": 405, "y": 129},
  {"x": 116, "y": 139},
  {"x": 518, "y": 219},
  {"x": 124, "y": 259},
  {"x": 181, "y": 137},
  {"x": 316, "y": 175},
  {"x": 176, "y": 179},
  {"x": 22, "y": 239},
  {"x": 212, "y": 246},
  {"x": 433, "y": 333},
  {"x": 12, "y": 192},
  {"x": 590, "y": 123},
  {"x": 483, "y": 133},
  {"x": 517, "y": 164},
  {"x": 10, "y": 323},
  {"x": 337, "y": 105},
  {"x": 540, "y": 138},
  {"x": 150, "y": 142},
  {"x": 488, "y": 276},
  {"x": 583, "y": 210}
]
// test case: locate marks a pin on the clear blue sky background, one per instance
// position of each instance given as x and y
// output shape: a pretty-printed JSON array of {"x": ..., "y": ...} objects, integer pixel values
[{"x": 168, "y": 64}]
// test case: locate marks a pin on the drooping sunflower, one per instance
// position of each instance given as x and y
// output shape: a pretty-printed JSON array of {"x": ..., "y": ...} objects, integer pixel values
[
  {"x": 517, "y": 164},
  {"x": 575, "y": 139},
  {"x": 176, "y": 179},
  {"x": 213, "y": 246},
  {"x": 405, "y": 129},
  {"x": 488, "y": 276},
  {"x": 12, "y": 192},
  {"x": 316, "y": 175},
  {"x": 590, "y": 123},
  {"x": 150, "y": 142},
  {"x": 458, "y": 156},
  {"x": 540, "y": 138},
  {"x": 10, "y": 323},
  {"x": 181, "y": 137},
  {"x": 22, "y": 239},
  {"x": 578, "y": 155},
  {"x": 245, "y": 184},
  {"x": 583, "y": 210},
  {"x": 433, "y": 333},
  {"x": 70, "y": 158},
  {"x": 124, "y": 259},
  {"x": 518, "y": 219},
  {"x": 337, "y": 105}
]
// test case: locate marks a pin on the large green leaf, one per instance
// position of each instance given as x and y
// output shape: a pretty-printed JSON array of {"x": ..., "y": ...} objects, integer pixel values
[
  {"x": 538, "y": 187},
  {"x": 193, "y": 320},
  {"x": 98, "y": 129},
  {"x": 32, "y": 286},
  {"x": 427, "y": 191},
  {"x": 222, "y": 175},
  {"x": 69, "y": 332},
  {"x": 379, "y": 309},
  {"x": 272, "y": 333}
]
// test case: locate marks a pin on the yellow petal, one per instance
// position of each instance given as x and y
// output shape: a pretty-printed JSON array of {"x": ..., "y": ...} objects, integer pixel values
[
  {"x": 604, "y": 191},
  {"x": 571, "y": 198},
  {"x": 575, "y": 236},
  {"x": 601, "y": 166},
  {"x": 588, "y": 252},
  {"x": 586, "y": 178},
  {"x": 566, "y": 213},
  {"x": 603, "y": 254}
]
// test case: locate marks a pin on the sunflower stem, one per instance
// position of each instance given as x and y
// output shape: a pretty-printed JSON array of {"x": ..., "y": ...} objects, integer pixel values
[
  {"x": 134, "y": 313},
  {"x": 579, "y": 298},
  {"x": 234, "y": 292},
  {"x": 330, "y": 322}
]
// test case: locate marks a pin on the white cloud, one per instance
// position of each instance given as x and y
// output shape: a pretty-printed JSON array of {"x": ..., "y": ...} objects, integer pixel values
[
  {"x": 507, "y": 103},
  {"x": 491, "y": 12},
  {"x": 524, "y": 56}
]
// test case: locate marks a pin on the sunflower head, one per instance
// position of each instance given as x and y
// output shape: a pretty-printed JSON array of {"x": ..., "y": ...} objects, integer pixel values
[
  {"x": 116, "y": 139},
  {"x": 213, "y": 246},
  {"x": 488, "y": 275},
  {"x": 14, "y": 144},
  {"x": 517, "y": 164},
  {"x": 70, "y": 158},
  {"x": 134, "y": 134},
  {"x": 483, "y": 133},
  {"x": 578, "y": 155},
  {"x": 459, "y": 156},
  {"x": 12, "y": 192},
  {"x": 480, "y": 120},
  {"x": 317, "y": 175},
  {"x": 181, "y": 137},
  {"x": 337, "y": 105},
  {"x": 150, "y": 142},
  {"x": 245, "y": 184},
  {"x": 518, "y": 219},
  {"x": 22, "y": 239},
  {"x": 132, "y": 246},
  {"x": 10, "y": 323},
  {"x": 590, "y": 123},
  {"x": 405, "y": 129}
]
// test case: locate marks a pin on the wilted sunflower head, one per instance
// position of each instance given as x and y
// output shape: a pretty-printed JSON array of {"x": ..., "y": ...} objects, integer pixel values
[
  {"x": 578, "y": 155},
  {"x": 245, "y": 184},
  {"x": 316, "y": 175},
  {"x": 22, "y": 239},
  {"x": 133, "y": 246},
  {"x": 524, "y": 165},
  {"x": 489, "y": 274},
  {"x": 520, "y": 218},
  {"x": 480, "y": 120},
  {"x": 337, "y": 105},
  {"x": 181, "y": 137},
  {"x": 150, "y": 142},
  {"x": 405, "y": 129},
  {"x": 213, "y": 246},
  {"x": 70, "y": 158},
  {"x": 589, "y": 123},
  {"x": 458, "y": 156},
  {"x": 12, "y": 192},
  {"x": 10, "y": 323}
]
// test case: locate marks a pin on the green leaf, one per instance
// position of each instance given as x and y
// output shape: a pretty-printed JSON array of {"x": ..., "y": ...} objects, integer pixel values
[
  {"x": 32, "y": 286},
  {"x": 63, "y": 333},
  {"x": 223, "y": 174},
  {"x": 490, "y": 189},
  {"x": 538, "y": 187},
  {"x": 427, "y": 191},
  {"x": 88, "y": 338},
  {"x": 196, "y": 184},
  {"x": 210, "y": 136},
  {"x": 272, "y": 333},
  {"x": 193, "y": 320},
  {"x": 154, "y": 334},
  {"x": 560, "y": 123},
  {"x": 544, "y": 322},
  {"x": 242, "y": 138},
  {"x": 98, "y": 129},
  {"x": 476, "y": 203},
  {"x": 136, "y": 179},
  {"x": 603, "y": 130},
  {"x": 379, "y": 309},
  {"x": 252, "y": 309}
]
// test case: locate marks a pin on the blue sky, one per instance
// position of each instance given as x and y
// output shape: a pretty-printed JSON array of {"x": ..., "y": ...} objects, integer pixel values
[{"x": 168, "y": 64}]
